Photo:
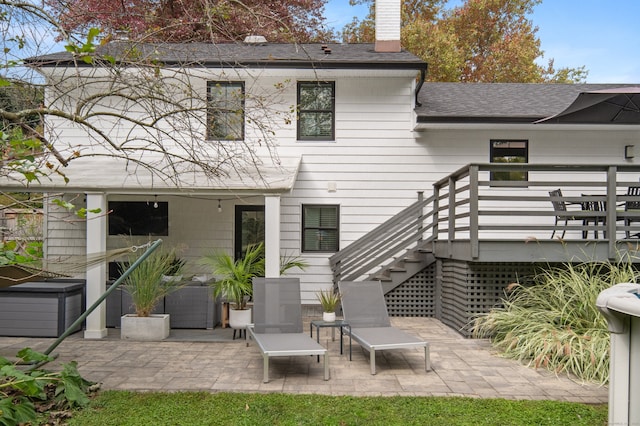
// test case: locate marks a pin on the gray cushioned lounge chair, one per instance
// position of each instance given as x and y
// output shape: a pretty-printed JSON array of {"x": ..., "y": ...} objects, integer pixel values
[
  {"x": 365, "y": 310},
  {"x": 277, "y": 322}
]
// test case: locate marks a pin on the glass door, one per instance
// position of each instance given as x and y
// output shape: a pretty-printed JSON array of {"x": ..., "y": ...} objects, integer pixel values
[{"x": 249, "y": 226}]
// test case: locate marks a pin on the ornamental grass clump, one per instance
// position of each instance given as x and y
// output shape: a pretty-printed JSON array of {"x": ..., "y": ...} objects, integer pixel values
[
  {"x": 146, "y": 285},
  {"x": 554, "y": 323}
]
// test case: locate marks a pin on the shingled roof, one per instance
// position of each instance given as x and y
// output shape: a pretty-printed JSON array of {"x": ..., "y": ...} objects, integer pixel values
[
  {"x": 497, "y": 102},
  {"x": 267, "y": 55}
]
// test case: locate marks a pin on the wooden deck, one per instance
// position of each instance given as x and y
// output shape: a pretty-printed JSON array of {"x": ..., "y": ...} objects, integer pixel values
[
  {"x": 471, "y": 217},
  {"x": 478, "y": 219}
]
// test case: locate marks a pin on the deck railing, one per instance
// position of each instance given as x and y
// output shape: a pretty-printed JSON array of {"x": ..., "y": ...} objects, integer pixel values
[
  {"x": 409, "y": 229},
  {"x": 473, "y": 205}
]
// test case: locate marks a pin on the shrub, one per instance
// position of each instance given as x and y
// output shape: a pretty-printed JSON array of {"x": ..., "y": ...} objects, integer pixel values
[
  {"x": 554, "y": 323},
  {"x": 26, "y": 392}
]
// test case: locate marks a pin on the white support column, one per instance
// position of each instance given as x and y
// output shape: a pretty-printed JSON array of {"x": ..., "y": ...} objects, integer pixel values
[
  {"x": 272, "y": 236},
  {"x": 96, "y": 275}
]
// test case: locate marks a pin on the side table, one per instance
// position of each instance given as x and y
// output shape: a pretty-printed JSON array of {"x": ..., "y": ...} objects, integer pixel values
[{"x": 341, "y": 324}]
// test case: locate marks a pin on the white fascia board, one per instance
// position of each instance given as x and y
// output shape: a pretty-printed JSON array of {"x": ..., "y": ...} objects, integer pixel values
[{"x": 422, "y": 127}]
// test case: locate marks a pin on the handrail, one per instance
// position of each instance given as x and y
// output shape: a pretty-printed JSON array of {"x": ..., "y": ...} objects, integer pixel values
[{"x": 391, "y": 238}]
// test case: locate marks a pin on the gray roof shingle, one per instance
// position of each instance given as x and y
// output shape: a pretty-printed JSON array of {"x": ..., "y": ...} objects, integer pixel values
[
  {"x": 440, "y": 102},
  {"x": 497, "y": 102},
  {"x": 276, "y": 55}
]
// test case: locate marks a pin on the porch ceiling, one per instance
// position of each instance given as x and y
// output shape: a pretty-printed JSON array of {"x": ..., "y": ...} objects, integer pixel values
[{"x": 266, "y": 175}]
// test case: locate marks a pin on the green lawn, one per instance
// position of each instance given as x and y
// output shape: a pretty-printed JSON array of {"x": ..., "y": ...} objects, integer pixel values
[{"x": 201, "y": 408}]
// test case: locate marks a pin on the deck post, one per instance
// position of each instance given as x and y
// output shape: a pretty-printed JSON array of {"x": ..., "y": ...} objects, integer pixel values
[
  {"x": 611, "y": 210},
  {"x": 473, "y": 211},
  {"x": 419, "y": 218},
  {"x": 452, "y": 215},
  {"x": 437, "y": 297},
  {"x": 436, "y": 214}
]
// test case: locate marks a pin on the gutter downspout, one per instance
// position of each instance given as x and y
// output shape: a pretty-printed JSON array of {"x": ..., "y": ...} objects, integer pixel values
[{"x": 423, "y": 76}]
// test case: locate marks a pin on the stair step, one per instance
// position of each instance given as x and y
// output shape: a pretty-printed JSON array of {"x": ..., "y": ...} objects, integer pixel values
[{"x": 384, "y": 278}]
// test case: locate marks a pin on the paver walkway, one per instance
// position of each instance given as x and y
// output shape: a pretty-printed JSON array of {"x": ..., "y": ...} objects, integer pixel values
[{"x": 209, "y": 360}]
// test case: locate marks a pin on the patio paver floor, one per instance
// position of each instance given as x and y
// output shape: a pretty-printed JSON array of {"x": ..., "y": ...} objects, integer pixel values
[{"x": 209, "y": 360}]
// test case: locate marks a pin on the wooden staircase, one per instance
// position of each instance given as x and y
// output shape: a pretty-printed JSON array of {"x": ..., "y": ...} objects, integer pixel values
[
  {"x": 403, "y": 268},
  {"x": 393, "y": 252}
]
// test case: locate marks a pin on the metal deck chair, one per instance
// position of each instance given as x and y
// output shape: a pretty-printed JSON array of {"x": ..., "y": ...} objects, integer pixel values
[
  {"x": 277, "y": 317},
  {"x": 632, "y": 206},
  {"x": 559, "y": 205},
  {"x": 365, "y": 310}
]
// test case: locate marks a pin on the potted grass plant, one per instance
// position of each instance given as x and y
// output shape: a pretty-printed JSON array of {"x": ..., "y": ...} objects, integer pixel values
[
  {"x": 174, "y": 268},
  {"x": 147, "y": 288},
  {"x": 329, "y": 300}
]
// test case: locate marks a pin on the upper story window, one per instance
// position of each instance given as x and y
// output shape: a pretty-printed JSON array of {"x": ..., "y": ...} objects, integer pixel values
[
  {"x": 320, "y": 228},
  {"x": 509, "y": 151},
  {"x": 225, "y": 110},
  {"x": 316, "y": 111}
]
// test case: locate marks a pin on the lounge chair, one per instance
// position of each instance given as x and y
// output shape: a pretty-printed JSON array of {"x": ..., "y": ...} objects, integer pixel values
[
  {"x": 277, "y": 327},
  {"x": 365, "y": 310}
]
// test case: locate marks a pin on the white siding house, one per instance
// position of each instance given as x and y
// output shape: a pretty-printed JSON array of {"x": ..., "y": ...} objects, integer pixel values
[{"x": 392, "y": 137}]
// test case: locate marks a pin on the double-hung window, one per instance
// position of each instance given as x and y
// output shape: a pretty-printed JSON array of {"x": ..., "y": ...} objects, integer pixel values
[
  {"x": 320, "y": 228},
  {"x": 316, "y": 111},
  {"x": 225, "y": 110},
  {"x": 509, "y": 152}
]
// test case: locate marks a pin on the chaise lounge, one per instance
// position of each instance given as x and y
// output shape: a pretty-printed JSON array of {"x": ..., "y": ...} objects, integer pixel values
[
  {"x": 365, "y": 310},
  {"x": 277, "y": 327}
]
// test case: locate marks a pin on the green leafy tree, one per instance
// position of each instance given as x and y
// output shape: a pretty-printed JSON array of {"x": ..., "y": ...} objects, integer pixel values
[{"x": 478, "y": 41}]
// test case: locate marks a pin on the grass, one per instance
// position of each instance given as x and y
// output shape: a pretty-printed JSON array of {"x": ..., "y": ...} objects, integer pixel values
[{"x": 201, "y": 408}]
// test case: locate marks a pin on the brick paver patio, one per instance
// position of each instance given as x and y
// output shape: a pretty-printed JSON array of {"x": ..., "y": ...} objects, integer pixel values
[{"x": 209, "y": 360}]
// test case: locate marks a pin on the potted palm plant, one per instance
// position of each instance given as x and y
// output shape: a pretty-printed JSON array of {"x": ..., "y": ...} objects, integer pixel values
[
  {"x": 234, "y": 282},
  {"x": 329, "y": 300},
  {"x": 235, "y": 279},
  {"x": 147, "y": 288}
]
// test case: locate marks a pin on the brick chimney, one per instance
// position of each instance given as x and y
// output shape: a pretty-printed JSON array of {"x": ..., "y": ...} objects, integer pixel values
[{"x": 388, "y": 26}]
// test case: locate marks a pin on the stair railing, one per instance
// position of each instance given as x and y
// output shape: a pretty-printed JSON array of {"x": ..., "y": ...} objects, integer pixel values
[{"x": 413, "y": 226}]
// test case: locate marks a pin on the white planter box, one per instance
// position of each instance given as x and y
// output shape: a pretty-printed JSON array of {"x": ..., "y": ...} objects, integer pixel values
[{"x": 152, "y": 328}]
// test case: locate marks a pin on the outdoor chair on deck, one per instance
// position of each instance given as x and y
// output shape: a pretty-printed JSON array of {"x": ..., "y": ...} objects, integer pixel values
[
  {"x": 365, "y": 310},
  {"x": 277, "y": 328},
  {"x": 598, "y": 208},
  {"x": 560, "y": 206},
  {"x": 632, "y": 206}
]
